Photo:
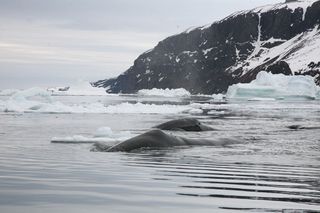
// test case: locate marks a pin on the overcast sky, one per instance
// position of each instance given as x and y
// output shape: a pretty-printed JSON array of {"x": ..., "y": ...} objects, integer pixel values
[{"x": 56, "y": 42}]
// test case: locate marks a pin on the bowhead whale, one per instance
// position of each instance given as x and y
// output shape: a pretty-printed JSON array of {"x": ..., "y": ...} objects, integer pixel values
[
  {"x": 185, "y": 124},
  {"x": 159, "y": 139}
]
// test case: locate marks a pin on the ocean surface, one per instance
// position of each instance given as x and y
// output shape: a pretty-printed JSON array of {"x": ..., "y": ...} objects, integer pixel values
[{"x": 272, "y": 168}]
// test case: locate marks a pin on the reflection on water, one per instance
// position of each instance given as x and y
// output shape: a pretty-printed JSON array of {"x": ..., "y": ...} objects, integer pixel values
[
  {"x": 274, "y": 168},
  {"x": 267, "y": 185}
]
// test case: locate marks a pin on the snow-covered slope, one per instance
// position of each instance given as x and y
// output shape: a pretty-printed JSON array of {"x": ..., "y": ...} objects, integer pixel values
[
  {"x": 298, "y": 52},
  {"x": 281, "y": 38}
]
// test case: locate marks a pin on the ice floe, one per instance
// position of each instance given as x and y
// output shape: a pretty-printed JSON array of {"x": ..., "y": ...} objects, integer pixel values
[
  {"x": 97, "y": 107},
  {"x": 275, "y": 86},
  {"x": 102, "y": 135},
  {"x": 40, "y": 101},
  {"x": 164, "y": 92},
  {"x": 8, "y": 92}
]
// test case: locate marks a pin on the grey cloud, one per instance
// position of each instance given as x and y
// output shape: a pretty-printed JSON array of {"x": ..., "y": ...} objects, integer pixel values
[{"x": 49, "y": 41}]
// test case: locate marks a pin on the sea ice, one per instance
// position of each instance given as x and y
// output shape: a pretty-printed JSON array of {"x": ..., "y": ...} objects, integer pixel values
[
  {"x": 102, "y": 135},
  {"x": 164, "y": 92},
  {"x": 275, "y": 86},
  {"x": 218, "y": 97},
  {"x": 8, "y": 92},
  {"x": 20, "y": 100},
  {"x": 195, "y": 111},
  {"x": 25, "y": 101},
  {"x": 140, "y": 108}
]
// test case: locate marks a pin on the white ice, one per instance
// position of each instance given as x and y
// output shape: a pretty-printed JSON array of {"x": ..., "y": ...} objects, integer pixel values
[
  {"x": 164, "y": 92},
  {"x": 40, "y": 101},
  {"x": 102, "y": 135},
  {"x": 8, "y": 92},
  {"x": 275, "y": 86}
]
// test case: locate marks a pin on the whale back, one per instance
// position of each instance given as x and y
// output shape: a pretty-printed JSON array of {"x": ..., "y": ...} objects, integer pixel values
[
  {"x": 186, "y": 124},
  {"x": 157, "y": 139},
  {"x": 151, "y": 139}
]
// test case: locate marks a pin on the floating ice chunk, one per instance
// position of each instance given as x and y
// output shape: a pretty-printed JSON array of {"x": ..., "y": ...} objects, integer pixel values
[
  {"x": 106, "y": 132},
  {"x": 195, "y": 111},
  {"x": 8, "y": 92},
  {"x": 32, "y": 92},
  {"x": 102, "y": 135},
  {"x": 218, "y": 97},
  {"x": 277, "y": 86},
  {"x": 216, "y": 112},
  {"x": 82, "y": 139},
  {"x": 164, "y": 92},
  {"x": 21, "y": 100},
  {"x": 262, "y": 99},
  {"x": 103, "y": 132}
]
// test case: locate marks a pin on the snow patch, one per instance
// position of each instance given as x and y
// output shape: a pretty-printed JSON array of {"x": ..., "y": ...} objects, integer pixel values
[
  {"x": 190, "y": 29},
  {"x": 304, "y": 4},
  {"x": 306, "y": 47},
  {"x": 237, "y": 54},
  {"x": 257, "y": 44},
  {"x": 205, "y": 52},
  {"x": 273, "y": 40}
]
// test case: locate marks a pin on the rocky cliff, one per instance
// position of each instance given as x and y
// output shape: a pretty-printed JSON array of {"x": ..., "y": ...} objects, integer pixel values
[{"x": 281, "y": 38}]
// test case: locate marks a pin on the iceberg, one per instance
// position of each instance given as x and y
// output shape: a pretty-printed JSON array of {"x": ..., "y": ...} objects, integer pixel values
[
  {"x": 21, "y": 100},
  {"x": 268, "y": 86},
  {"x": 164, "y": 92}
]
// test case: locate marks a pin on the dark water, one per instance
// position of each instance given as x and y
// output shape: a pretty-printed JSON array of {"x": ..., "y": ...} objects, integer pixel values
[{"x": 273, "y": 168}]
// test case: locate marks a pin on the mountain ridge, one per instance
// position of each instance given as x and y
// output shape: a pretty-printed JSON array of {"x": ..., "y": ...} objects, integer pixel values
[{"x": 280, "y": 38}]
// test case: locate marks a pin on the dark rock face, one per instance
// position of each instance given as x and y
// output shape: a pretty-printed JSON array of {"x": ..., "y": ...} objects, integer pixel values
[
  {"x": 210, "y": 59},
  {"x": 280, "y": 67}
]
